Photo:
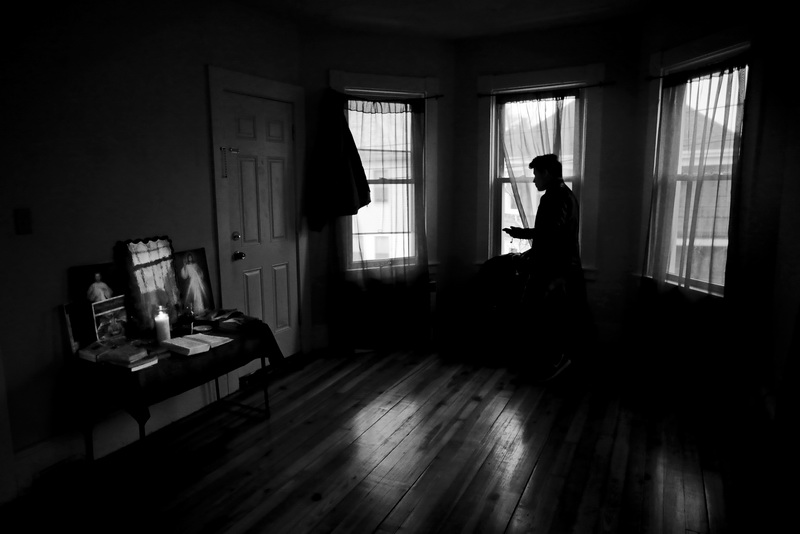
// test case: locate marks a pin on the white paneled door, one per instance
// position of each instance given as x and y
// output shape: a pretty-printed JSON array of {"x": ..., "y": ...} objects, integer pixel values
[{"x": 255, "y": 180}]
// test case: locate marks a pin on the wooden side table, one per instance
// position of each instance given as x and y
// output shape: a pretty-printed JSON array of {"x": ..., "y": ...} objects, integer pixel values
[{"x": 102, "y": 388}]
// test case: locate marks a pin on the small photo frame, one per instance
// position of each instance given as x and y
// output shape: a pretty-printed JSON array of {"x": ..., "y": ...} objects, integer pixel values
[
  {"x": 110, "y": 318},
  {"x": 191, "y": 271},
  {"x": 151, "y": 279}
]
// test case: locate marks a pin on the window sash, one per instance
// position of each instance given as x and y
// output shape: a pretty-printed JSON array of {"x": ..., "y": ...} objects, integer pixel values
[
  {"x": 385, "y": 230},
  {"x": 570, "y": 153},
  {"x": 699, "y": 136}
]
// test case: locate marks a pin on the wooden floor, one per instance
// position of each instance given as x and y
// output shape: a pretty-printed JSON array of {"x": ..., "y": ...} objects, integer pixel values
[{"x": 413, "y": 443}]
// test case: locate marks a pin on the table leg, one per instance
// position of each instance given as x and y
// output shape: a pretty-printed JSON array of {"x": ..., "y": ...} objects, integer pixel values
[{"x": 141, "y": 415}]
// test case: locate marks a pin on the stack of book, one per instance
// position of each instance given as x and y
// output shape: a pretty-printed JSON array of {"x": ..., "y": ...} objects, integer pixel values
[
  {"x": 125, "y": 354},
  {"x": 194, "y": 343}
]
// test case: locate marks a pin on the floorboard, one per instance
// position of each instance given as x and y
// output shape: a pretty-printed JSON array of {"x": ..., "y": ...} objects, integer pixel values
[{"x": 404, "y": 442}]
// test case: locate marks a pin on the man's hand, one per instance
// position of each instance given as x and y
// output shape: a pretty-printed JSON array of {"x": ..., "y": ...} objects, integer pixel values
[{"x": 515, "y": 232}]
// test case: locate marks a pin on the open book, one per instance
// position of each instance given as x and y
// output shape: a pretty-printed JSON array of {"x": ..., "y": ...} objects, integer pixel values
[
  {"x": 194, "y": 343},
  {"x": 213, "y": 341}
]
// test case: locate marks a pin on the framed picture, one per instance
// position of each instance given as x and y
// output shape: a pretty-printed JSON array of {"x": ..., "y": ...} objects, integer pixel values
[
  {"x": 191, "y": 270},
  {"x": 91, "y": 283},
  {"x": 109, "y": 318},
  {"x": 151, "y": 280},
  {"x": 88, "y": 285}
]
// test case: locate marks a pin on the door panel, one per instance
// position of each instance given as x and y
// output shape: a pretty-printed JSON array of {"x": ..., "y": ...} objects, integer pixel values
[
  {"x": 253, "y": 293},
  {"x": 282, "y": 285},
  {"x": 278, "y": 215},
  {"x": 246, "y": 195}
]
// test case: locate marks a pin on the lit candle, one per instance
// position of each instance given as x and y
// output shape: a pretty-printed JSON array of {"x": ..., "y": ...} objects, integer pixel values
[{"x": 162, "y": 325}]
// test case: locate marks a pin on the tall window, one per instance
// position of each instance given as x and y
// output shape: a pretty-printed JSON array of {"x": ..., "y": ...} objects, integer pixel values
[
  {"x": 388, "y": 138},
  {"x": 697, "y": 158},
  {"x": 529, "y": 125}
]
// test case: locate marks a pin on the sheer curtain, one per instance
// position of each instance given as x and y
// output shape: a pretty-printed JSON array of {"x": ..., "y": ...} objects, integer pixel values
[
  {"x": 698, "y": 157},
  {"x": 382, "y": 255},
  {"x": 532, "y": 125}
]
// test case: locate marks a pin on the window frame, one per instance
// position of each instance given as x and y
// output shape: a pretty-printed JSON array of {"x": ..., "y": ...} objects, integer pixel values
[
  {"x": 413, "y": 183},
  {"x": 499, "y": 181},
  {"x": 589, "y": 80},
  {"x": 684, "y": 59},
  {"x": 369, "y": 86}
]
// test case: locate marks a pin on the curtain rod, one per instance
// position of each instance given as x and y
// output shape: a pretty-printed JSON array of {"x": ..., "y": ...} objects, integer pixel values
[
  {"x": 732, "y": 63},
  {"x": 554, "y": 88},
  {"x": 382, "y": 96}
]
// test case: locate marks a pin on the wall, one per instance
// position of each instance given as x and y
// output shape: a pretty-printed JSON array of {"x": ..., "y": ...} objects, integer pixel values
[{"x": 107, "y": 128}]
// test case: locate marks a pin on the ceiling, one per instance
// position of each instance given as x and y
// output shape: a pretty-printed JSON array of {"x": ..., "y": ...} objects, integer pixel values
[{"x": 449, "y": 19}]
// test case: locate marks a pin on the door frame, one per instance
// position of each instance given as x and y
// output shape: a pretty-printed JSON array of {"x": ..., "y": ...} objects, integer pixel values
[{"x": 221, "y": 80}]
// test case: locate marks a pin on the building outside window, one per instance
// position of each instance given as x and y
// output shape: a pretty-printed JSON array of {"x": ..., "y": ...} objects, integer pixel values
[{"x": 697, "y": 158}]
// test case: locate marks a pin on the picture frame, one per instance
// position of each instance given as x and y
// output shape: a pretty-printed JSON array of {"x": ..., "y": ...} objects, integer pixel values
[
  {"x": 86, "y": 285},
  {"x": 109, "y": 318},
  {"x": 194, "y": 284},
  {"x": 82, "y": 281},
  {"x": 148, "y": 264}
]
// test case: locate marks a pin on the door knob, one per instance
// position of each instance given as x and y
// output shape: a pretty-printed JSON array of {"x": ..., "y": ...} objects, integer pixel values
[
  {"x": 236, "y": 236},
  {"x": 239, "y": 255}
]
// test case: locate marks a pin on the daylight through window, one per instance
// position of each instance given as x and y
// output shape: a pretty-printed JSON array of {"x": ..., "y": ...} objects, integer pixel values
[
  {"x": 698, "y": 152},
  {"x": 529, "y": 125},
  {"x": 384, "y": 230}
]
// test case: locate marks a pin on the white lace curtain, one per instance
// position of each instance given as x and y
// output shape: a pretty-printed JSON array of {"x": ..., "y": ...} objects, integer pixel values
[
  {"x": 388, "y": 236},
  {"x": 698, "y": 157},
  {"x": 534, "y": 125}
]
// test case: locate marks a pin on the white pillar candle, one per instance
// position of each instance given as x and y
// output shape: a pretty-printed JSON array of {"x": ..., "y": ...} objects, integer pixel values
[{"x": 162, "y": 325}]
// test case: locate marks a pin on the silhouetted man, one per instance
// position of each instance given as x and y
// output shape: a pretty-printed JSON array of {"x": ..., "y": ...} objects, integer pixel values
[{"x": 548, "y": 278}]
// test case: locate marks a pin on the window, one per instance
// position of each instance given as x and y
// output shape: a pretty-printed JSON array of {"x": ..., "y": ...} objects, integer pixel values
[
  {"x": 528, "y": 125},
  {"x": 522, "y": 116},
  {"x": 697, "y": 156},
  {"x": 383, "y": 132},
  {"x": 394, "y": 121}
]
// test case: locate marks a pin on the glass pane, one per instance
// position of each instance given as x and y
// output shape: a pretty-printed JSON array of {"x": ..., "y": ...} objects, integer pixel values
[
  {"x": 371, "y": 247},
  {"x": 698, "y": 163},
  {"x": 389, "y": 214},
  {"x": 383, "y": 141},
  {"x": 533, "y": 128},
  {"x": 383, "y": 230},
  {"x": 708, "y": 236},
  {"x": 509, "y": 215}
]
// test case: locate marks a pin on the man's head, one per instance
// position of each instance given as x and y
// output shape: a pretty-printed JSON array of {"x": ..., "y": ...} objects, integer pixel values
[{"x": 546, "y": 171}]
